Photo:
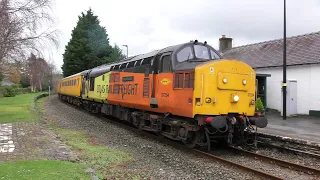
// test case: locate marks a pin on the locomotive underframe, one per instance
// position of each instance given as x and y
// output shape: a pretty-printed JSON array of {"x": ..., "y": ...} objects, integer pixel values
[{"x": 189, "y": 131}]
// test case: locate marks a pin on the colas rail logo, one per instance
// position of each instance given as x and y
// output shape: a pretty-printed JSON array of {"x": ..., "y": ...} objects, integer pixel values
[{"x": 165, "y": 81}]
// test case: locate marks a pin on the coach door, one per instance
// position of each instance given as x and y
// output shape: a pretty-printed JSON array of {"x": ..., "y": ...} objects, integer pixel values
[{"x": 164, "y": 82}]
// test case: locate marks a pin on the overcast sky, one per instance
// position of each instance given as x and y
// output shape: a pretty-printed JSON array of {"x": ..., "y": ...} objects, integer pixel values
[{"x": 146, "y": 25}]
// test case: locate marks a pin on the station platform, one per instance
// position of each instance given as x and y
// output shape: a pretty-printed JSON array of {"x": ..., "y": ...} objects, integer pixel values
[{"x": 299, "y": 127}]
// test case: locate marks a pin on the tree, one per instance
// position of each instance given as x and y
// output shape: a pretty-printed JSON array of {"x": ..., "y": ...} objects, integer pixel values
[
  {"x": 25, "y": 26},
  {"x": 39, "y": 73},
  {"x": 1, "y": 77},
  {"x": 15, "y": 76},
  {"x": 88, "y": 47},
  {"x": 116, "y": 54}
]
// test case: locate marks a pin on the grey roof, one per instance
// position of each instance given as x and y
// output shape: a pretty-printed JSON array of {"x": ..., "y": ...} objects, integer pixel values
[
  {"x": 7, "y": 83},
  {"x": 302, "y": 49}
]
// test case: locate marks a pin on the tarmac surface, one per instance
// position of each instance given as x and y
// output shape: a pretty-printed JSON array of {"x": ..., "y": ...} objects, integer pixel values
[{"x": 299, "y": 127}]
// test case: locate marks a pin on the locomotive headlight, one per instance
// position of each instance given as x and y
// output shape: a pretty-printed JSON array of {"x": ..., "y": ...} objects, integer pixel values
[
  {"x": 244, "y": 82},
  {"x": 236, "y": 98},
  {"x": 225, "y": 80}
]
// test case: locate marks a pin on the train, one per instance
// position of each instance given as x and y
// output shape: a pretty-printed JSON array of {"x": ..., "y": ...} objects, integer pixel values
[{"x": 185, "y": 92}]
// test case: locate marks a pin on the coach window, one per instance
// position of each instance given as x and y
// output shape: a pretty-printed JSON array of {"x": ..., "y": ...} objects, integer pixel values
[
  {"x": 185, "y": 54},
  {"x": 166, "y": 63}
]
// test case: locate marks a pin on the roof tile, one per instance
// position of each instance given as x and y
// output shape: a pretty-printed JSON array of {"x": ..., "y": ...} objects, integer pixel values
[{"x": 302, "y": 49}]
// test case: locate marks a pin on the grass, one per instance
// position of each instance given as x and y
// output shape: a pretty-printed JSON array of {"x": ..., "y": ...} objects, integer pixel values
[
  {"x": 43, "y": 169},
  {"x": 18, "y": 108},
  {"x": 107, "y": 162}
]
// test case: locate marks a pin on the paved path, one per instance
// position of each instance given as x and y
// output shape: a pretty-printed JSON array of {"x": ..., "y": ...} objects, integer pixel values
[
  {"x": 30, "y": 141},
  {"x": 300, "y": 127}
]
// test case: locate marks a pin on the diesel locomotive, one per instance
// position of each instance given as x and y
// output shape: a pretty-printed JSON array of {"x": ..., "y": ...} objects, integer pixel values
[{"x": 185, "y": 92}]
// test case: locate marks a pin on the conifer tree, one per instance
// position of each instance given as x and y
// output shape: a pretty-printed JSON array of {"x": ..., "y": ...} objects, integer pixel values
[{"x": 88, "y": 47}]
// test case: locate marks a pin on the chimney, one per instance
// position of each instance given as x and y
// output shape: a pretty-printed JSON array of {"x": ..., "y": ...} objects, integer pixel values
[{"x": 224, "y": 43}]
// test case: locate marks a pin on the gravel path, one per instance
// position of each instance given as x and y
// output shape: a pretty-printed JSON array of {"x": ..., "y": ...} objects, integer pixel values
[
  {"x": 162, "y": 161},
  {"x": 31, "y": 141}
]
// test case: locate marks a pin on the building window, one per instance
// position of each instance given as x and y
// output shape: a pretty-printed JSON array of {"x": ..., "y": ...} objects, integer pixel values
[{"x": 178, "y": 80}]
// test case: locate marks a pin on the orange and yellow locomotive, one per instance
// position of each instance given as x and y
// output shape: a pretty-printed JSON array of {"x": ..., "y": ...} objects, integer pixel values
[{"x": 185, "y": 92}]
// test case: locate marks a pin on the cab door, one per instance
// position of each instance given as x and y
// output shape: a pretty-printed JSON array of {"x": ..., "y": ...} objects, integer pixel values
[{"x": 163, "y": 91}]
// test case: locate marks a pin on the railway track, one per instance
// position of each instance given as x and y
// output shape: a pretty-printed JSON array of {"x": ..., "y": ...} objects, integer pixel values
[
  {"x": 286, "y": 164},
  {"x": 295, "y": 146},
  {"x": 262, "y": 174}
]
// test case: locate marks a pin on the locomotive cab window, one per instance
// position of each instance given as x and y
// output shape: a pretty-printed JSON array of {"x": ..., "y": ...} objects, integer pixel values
[
  {"x": 202, "y": 52},
  {"x": 185, "y": 54},
  {"x": 214, "y": 55}
]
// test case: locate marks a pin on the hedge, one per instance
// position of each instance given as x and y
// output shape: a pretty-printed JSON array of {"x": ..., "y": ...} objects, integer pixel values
[{"x": 11, "y": 91}]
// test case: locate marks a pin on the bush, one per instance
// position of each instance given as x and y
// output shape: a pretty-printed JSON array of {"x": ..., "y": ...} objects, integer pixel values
[
  {"x": 16, "y": 86},
  {"x": 259, "y": 105},
  {"x": 9, "y": 92}
]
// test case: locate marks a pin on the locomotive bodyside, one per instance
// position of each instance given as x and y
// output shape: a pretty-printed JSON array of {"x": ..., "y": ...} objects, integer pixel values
[
  {"x": 98, "y": 88},
  {"x": 185, "y": 92}
]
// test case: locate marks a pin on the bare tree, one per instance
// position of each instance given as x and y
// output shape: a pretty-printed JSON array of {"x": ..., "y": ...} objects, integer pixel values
[
  {"x": 26, "y": 26},
  {"x": 38, "y": 71}
]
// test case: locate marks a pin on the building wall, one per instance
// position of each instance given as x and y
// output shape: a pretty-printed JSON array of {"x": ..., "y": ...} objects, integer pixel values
[{"x": 308, "y": 86}]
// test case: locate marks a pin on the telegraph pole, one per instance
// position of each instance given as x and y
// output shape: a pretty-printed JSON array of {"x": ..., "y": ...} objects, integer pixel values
[{"x": 284, "y": 84}]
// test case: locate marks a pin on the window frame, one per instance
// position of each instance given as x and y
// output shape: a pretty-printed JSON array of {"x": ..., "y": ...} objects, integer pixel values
[
  {"x": 174, "y": 80},
  {"x": 161, "y": 62}
]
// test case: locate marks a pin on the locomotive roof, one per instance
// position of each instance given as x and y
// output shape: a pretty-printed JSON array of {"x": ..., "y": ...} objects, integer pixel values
[
  {"x": 97, "y": 71},
  {"x": 80, "y": 73}
]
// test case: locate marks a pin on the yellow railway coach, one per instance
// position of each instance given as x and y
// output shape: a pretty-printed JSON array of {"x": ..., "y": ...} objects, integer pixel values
[{"x": 71, "y": 85}]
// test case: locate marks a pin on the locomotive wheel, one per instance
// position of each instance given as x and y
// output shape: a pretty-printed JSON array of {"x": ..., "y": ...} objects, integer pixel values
[{"x": 192, "y": 139}]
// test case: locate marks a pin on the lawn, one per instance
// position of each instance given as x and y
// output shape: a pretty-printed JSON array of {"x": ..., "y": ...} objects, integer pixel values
[
  {"x": 108, "y": 163},
  {"x": 18, "y": 108},
  {"x": 43, "y": 169}
]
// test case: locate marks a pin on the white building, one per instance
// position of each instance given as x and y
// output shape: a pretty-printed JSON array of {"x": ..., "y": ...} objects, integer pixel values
[{"x": 303, "y": 66}]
